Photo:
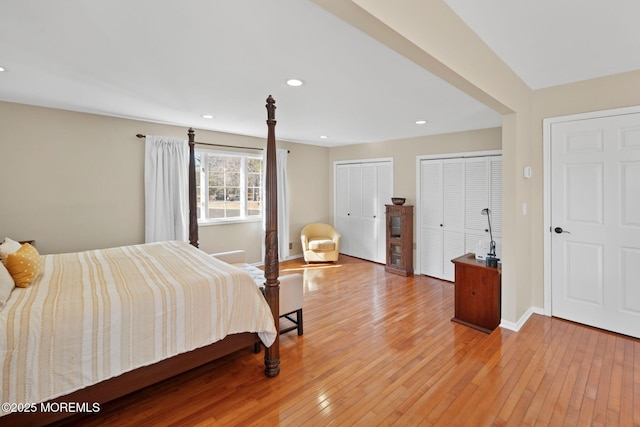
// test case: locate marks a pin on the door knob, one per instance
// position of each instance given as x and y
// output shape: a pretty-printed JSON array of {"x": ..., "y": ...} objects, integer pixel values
[{"x": 559, "y": 230}]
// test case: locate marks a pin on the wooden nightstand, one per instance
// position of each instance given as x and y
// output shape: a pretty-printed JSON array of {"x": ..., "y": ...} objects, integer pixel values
[{"x": 477, "y": 294}]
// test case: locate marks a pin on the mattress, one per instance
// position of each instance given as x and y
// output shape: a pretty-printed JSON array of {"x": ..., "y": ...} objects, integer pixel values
[{"x": 94, "y": 315}]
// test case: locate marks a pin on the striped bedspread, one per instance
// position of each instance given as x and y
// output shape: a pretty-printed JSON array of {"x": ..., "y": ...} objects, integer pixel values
[{"x": 93, "y": 315}]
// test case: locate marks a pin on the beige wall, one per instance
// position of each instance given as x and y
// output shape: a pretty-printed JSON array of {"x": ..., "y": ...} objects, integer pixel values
[
  {"x": 310, "y": 191},
  {"x": 46, "y": 150},
  {"x": 431, "y": 35},
  {"x": 74, "y": 181},
  {"x": 616, "y": 91},
  {"x": 404, "y": 153}
]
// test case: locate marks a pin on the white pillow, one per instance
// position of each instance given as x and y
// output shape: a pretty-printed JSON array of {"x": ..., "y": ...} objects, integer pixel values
[
  {"x": 6, "y": 285},
  {"x": 7, "y": 247}
]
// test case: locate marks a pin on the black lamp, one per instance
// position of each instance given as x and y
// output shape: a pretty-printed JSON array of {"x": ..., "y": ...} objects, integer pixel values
[{"x": 491, "y": 259}]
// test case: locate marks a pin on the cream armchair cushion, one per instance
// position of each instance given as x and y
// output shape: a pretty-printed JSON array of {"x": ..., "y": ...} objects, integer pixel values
[{"x": 320, "y": 243}]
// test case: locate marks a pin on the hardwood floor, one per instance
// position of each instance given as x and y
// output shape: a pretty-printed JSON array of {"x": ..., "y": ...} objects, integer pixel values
[{"x": 380, "y": 349}]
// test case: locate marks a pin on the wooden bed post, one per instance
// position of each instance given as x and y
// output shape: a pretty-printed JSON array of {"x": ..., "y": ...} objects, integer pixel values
[
  {"x": 193, "y": 215},
  {"x": 271, "y": 265}
]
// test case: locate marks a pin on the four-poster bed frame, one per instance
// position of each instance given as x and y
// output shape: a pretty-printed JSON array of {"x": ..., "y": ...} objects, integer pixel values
[{"x": 139, "y": 378}]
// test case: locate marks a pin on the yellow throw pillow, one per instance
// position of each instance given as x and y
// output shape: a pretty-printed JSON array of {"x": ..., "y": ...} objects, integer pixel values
[{"x": 24, "y": 265}]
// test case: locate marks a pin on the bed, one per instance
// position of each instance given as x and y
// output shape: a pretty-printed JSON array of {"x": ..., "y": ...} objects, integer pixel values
[{"x": 134, "y": 316}]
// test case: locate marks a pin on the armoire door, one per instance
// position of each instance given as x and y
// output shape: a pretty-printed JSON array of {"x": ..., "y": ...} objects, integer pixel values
[{"x": 595, "y": 222}]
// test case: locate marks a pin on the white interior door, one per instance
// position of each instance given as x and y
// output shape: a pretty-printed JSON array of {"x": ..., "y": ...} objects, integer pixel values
[
  {"x": 430, "y": 222},
  {"x": 595, "y": 222}
]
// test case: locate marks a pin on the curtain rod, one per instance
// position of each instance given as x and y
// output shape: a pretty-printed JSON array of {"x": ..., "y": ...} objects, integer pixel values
[{"x": 139, "y": 135}]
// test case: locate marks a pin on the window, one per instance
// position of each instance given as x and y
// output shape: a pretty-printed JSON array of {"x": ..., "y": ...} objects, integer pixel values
[{"x": 229, "y": 186}]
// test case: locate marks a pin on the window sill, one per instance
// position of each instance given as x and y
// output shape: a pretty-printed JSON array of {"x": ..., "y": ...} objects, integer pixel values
[{"x": 228, "y": 221}]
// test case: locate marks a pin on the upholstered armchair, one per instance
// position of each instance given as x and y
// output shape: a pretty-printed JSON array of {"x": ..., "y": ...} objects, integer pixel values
[{"x": 320, "y": 243}]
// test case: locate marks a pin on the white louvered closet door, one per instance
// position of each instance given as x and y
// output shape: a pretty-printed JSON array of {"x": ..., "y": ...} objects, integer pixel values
[
  {"x": 431, "y": 238},
  {"x": 483, "y": 189},
  {"x": 476, "y": 194},
  {"x": 453, "y": 212},
  {"x": 442, "y": 216},
  {"x": 495, "y": 200},
  {"x": 453, "y": 193}
]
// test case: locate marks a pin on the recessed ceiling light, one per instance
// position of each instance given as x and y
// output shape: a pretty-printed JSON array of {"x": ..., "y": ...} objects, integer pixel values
[
  {"x": 324, "y": 137},
  {"x": 208, "y": 116},
  {"x": 2, "y": 69},
  {"x": 421, "y": 122},
  {"x": 295, "y": 82}
]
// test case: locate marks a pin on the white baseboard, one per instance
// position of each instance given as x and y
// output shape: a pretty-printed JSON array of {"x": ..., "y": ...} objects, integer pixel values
[{"x": 523, "y": 319}]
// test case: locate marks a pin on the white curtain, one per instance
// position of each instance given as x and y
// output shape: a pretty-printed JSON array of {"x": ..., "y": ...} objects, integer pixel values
[
  {"x": 166, "y": 182},
  {"x": 283, "y": 204}
]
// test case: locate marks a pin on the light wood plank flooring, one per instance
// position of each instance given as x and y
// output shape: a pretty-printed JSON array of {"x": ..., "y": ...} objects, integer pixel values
[{"x": 380, "y": 349}]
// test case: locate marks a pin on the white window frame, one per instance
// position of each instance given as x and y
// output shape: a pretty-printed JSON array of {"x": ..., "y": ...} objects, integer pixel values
[{"x": 204, "y": 187}]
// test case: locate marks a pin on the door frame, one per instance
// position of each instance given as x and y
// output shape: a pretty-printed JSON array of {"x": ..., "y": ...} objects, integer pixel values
[
  {"x": 417, "y": 217},
  {"x": 546, "y": 177}
]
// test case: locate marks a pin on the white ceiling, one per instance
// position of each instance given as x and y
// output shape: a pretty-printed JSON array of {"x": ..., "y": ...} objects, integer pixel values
[
  {"x": 551, "y": 42},
  {"x": 172, "y": 61}
]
